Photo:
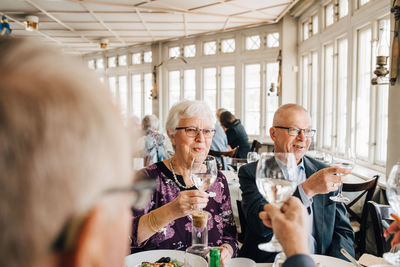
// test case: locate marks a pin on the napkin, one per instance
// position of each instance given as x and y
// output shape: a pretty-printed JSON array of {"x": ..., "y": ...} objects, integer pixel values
[
  {"x": 369, "y": 260},
  {"x": 230, "y": 176}
]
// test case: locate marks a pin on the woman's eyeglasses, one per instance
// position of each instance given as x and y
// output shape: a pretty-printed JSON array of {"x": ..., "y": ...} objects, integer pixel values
[{"x": 194, "y": 132}]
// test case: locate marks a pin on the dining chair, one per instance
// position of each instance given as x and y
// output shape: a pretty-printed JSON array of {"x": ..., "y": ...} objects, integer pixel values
[
  {"x": 255, "y": 146},
  {"x": 242, "y": 220},
  {"x": 222, "y": 154},
  {"x": 380, "y": 214},
  {"x": 359, "y": 222}
]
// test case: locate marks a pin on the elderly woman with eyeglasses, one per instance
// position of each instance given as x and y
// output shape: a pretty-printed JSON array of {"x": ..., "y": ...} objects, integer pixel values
[{"x": 165, "y": 223}]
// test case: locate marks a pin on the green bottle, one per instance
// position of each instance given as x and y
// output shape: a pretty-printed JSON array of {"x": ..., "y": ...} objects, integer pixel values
[{"x": 215, "y": 258}]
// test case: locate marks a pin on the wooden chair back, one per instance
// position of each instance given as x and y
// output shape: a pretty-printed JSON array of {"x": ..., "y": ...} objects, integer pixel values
[
  {"x": 366, "y": 188},
  {"x": 380, "y": 214}
]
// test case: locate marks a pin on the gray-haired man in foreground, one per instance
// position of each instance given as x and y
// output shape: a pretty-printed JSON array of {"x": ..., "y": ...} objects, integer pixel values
[{"x": 64, "y": 161}]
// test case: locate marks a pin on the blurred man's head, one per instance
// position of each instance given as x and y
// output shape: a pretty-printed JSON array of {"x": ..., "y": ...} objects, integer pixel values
[
  {"x": 287, "y": 119},
  {"x": 62, "y": 144}
]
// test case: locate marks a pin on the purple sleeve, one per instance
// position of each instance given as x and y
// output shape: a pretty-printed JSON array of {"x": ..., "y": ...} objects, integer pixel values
[
  {"x": 229, "y": 229},
  {"x": 137, "y": 214}
]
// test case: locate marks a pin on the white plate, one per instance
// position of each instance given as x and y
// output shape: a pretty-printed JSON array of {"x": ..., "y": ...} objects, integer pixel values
[
  {"x": 240, "y": 262},
  {"x": 327, "y": 261},
  {"x": 134, "y": 260}
]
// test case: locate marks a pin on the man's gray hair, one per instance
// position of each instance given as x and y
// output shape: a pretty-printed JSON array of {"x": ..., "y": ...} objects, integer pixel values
[
  {"x": 150, "y": 123},
  {"x": 62, "y": 143},
  {"x": 187, "y": 109}
]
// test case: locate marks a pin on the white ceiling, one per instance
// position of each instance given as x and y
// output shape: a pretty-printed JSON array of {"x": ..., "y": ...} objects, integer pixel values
[{"x": 78, "y": 25}]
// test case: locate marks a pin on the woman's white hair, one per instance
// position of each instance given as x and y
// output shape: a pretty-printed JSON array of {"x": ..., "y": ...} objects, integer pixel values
[
  {"x": 150, "y": 123},
  {"x": 187, "y": 109}
]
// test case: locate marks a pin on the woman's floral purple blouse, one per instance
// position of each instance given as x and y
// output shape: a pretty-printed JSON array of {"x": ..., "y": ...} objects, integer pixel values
[{"x": 177, "y": 234}]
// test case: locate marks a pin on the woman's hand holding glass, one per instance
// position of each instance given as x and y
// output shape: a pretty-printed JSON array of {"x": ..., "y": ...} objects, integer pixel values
[{"x": 187, "y": 202}]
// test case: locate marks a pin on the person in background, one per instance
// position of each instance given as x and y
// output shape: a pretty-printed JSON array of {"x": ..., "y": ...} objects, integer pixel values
[
  {"x": 154, "y": 141},
  {"x": 290, "y": 223},
  {"x": 164, "y": 223},
  {"x": 330, "y": 228},
  {"x": 219, "y": 141},
  {"x": 235, "y": 133},
  {"x": 66, "y": 181}
]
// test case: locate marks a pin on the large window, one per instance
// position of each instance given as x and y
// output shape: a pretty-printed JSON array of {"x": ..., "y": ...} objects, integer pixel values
[
  {"x": 174, "y": 88},
  {"x": 236, "y": 70},
  {"x": 313, "y": 108},
  {"x": 328, "y": 95},
  {"x": 363, "y": 93},
  {"x": 342, "y": 93},
  {"x": 252, "y": 96},
  {"x": 228, "y": 88},
  {"x": 136, "y": 95},
  {"x": 210, "y": 87},
  {"x": 189, "y": 84},
  {"x": 123, "y": 94},
  {"x": 382, "y": 92},
  {"x": 305, "y": 79}
]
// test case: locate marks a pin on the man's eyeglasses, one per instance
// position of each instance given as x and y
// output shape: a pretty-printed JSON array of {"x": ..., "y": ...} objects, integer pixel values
[
  {"x": 140, "y": 194},
  {"x": 293, "y": 131},
  {"x": 194, "y": 132}
]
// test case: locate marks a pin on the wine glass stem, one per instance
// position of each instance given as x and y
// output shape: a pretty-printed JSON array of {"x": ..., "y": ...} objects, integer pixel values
[{"x": 340, "y": 189}]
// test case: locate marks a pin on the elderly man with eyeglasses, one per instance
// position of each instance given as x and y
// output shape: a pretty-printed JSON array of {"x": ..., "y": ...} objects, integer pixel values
[{"x": 329, "y": 223}]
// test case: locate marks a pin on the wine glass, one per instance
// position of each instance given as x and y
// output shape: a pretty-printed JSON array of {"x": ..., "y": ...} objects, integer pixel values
[
  {"x": 204, "y": 172},
  {"x": 252, "y": 157},
  {"x": 276, "y": 179},
  {"x": 393, "y": 195},
  {"x": 345, "y": 164}
]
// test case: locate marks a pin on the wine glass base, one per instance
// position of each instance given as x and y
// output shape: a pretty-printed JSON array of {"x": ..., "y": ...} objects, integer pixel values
[
  {"x": 270, "y": 247},
  {"x": 339, "y": 198},
  {"x": 393, "y": 258}
]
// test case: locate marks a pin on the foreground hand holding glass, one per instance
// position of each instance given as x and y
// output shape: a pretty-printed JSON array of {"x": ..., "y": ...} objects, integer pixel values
[
  {"x": 276, "y": 179},
  {"x": 393, "y": 196}
]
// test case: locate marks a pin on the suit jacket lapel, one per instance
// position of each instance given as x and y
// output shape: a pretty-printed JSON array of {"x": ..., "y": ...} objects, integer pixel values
[{"x": 318, "y": 209}]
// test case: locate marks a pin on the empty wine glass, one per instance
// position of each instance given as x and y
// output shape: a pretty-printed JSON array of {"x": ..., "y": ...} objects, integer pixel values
[
  {"x": 393, "y": 195},
  {"x": 204, "y": 172},
  {"x": 252, "y": 157},
  {"x": 347, "y": 163},
  {"x": 276, "y": 179}
]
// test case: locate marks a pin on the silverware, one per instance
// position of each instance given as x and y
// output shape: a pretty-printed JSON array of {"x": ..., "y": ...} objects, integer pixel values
[{"x": 348, "y": 256}]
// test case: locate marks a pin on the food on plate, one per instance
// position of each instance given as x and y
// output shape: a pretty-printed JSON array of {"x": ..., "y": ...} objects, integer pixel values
[{"x": 162, "y": 262}]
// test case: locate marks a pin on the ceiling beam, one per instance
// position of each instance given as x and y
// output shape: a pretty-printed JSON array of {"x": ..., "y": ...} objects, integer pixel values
[
  {"x": 144, "y": 24},
  {"x": 184, "y": 24},
  {"x": 102, "y": 23}
]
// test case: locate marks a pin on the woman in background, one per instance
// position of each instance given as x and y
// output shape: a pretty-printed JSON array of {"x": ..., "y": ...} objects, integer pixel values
[
  {"x": 235, "y": 133},
  {"x": 153, "y": 142}
]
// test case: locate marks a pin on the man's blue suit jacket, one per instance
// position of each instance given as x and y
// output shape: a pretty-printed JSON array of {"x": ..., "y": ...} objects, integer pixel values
[{"x": 332, "y": 230}]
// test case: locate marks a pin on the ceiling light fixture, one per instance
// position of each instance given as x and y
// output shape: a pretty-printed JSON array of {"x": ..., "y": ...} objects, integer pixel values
[
  {"x": 104, "y": 43},
  {"x": 31, "y": 23}
]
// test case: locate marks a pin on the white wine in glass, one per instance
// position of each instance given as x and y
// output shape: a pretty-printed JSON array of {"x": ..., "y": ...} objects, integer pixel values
[
  {"x": 347, "y": 163},
  {"x": 276, "y": 179},
  {"x": 204, "y": 172}
]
